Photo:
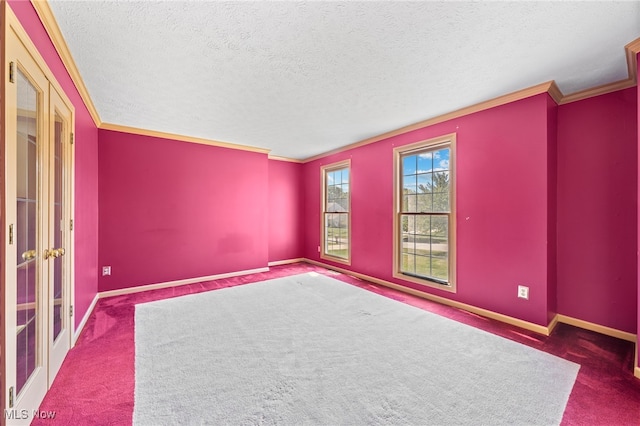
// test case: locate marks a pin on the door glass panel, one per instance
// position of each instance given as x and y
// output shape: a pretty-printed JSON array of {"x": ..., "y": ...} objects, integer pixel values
[
  {"x": 57, "y": 226},
  {"x": 26, "y": 231}
]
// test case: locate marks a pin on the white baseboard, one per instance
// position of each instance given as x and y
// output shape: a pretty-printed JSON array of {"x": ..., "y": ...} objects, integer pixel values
[
  {"x": 541, "y": 329},
  {"x": 101, "y": 295},
  {"x": 286, "y": 262},
  {"x": 608, "y": 331},
  {"x": 138, "y": 289},
  {"x": 494, "y": 315},
  {"x": 85, "y": 318},
  {"x": 636, "y": 370},
  {"x": 553, "y": 323}
]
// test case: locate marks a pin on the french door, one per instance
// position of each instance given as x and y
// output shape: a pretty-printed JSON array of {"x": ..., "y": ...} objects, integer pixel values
[
  {"x": 59, "y": 227},
  {"x": 38, "y": 328}
]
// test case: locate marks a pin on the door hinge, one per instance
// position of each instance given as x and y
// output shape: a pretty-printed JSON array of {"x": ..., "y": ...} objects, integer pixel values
[
  {"x": 71, "y": 225},
  {"x": 11, "y": 397},
  {"x": 12, "y": 72},
  {"x": 71, "y": 138},
  {"x": 11, "y": 234},
  {"x": 71, "y": 310}
]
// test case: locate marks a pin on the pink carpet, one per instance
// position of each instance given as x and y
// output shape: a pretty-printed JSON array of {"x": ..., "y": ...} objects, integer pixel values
[{"x": 96, "y": 382}]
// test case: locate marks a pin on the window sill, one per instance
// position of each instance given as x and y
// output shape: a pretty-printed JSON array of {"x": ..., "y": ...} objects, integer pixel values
[
  {"x": 336, "y": 259},
  {"x": 451, "y": 288}
]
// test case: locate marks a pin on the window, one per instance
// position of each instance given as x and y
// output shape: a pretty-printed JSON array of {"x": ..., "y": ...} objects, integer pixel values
[
  {"x": 336, "y": 219},
  {"x": 424, "y": 223}
]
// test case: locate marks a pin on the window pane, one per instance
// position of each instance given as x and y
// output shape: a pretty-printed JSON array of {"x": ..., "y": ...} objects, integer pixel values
[
  {"x": 334, "y": 194},
  {"x": 425, "y": 246},
  {"x": 426, "y": 175},
  {"x": 405, "y": 237},
  {"x": 408, "y": 263},
  {"x": 409, "y": 165},
  {"x": 344, "y": 237},
  {"x": 424, "y": 203},
  {"x": 336, "y": 219},
  {"x": 440, "y": 181},
  {"x": 332, "y": 231},
  {"x": 345, "y": 175},
  {"x": 342, "y": 204},
  {"x": 441, "y": 159},
  {"x": 331, "y": 194},
  {"x": 424, "y": 182},
  {"x": 425, "y": 162},
  {"x": 337, "y": 190},
  {"x": 337, "y": 235},
  {"x": 423, "y": 265},
  {"x": 425, "y": 189},
  {"x": 423, "y": 226},
  {"x": 344, "y": 197},
  {"x": 410, "y": 203},
  {"x": 440, "y": 247},
  {"x": 331, "y": 207},
  {"x": 336, "y": 177},
  {"x": 408, "y": 243},
  {"x": 27, "y": 345},
  {"x": 409, "y": 184},
  {"x": 331, "y": 223},
  {"x": 441, "y": 202},
  {"x": 439, "y": 229}
]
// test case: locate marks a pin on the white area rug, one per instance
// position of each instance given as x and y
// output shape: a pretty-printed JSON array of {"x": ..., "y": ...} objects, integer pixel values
[{"x": 311, "y": 350}]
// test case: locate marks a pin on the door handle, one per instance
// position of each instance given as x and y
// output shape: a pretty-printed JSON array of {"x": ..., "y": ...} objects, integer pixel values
[
  {"x": 29, "y": 254},
  {"x": 54, "y": 253}
]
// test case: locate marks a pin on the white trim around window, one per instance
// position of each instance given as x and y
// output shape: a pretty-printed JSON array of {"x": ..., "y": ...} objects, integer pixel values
[
  {"x": 424, "y": 220},
  {"x": 335, "y": 217}
]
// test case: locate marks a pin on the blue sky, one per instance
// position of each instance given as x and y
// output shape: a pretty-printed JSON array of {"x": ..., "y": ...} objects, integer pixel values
[
  {"x": 426, "y": 162},
  {"x": 418, "y": 169},
  {"x": 338, "y": 177}
]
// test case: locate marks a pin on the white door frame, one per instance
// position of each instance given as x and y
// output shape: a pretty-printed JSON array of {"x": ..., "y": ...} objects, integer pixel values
[{"x": 19, "y": 50}]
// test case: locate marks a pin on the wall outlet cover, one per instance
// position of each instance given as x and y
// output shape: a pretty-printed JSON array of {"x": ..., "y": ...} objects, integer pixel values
[{"x": 523, "y": 292}]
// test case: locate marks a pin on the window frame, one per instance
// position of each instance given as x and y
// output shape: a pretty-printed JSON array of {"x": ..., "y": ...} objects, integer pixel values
[
  {"x": 324, "y": 170},
  {"x": 445, "y": 141}
]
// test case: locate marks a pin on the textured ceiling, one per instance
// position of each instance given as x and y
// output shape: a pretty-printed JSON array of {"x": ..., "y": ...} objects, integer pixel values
[{"x": 302, "y": 78}]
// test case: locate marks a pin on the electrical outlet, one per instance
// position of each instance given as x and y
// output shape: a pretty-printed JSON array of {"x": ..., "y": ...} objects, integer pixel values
[
  {"x": 106, "y": 270},
  {"x": 523, "y": 292},
  {"x": 318, "y": 249}
]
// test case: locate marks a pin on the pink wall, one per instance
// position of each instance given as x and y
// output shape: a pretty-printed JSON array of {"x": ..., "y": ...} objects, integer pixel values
[
  {"x": 597, "y": 210},
  {"x": 172, "y": 210},
  {"x": 285, "y": 210},
  {"x": 86, "y": 176},
  {"x": 505, "y": 215},
  {"x": 503, "y": 200}
]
